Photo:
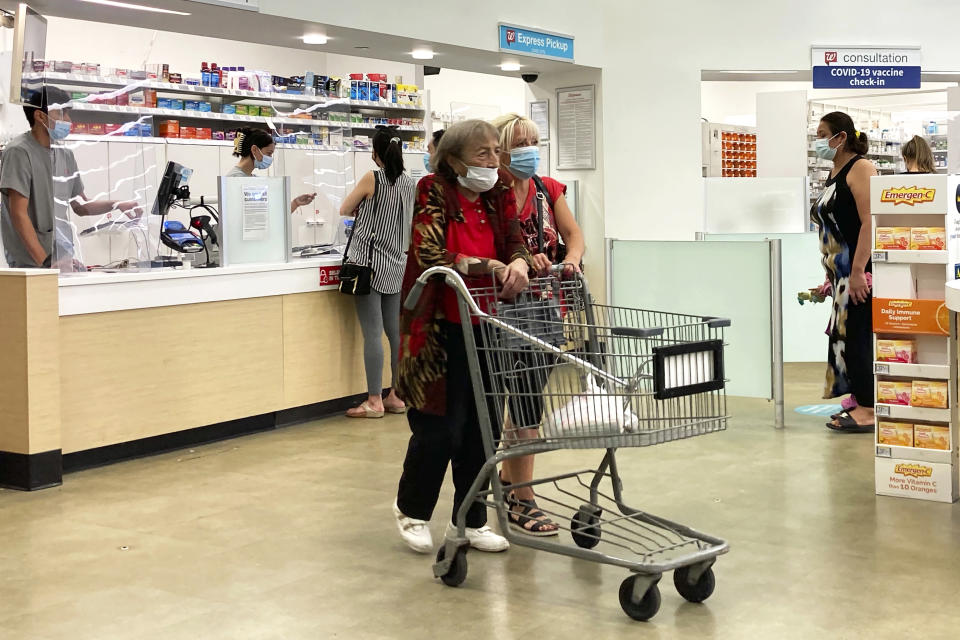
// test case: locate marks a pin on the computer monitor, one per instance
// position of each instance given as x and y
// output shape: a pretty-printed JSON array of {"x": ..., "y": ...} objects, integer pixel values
[{"x": 175, "y": 177}]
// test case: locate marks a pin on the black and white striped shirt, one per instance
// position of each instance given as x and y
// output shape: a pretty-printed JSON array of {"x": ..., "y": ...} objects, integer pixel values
[{"x": 386, "y": 219}]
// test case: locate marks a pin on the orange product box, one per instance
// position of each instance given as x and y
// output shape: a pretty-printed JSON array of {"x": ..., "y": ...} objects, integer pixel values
[
  {"x": 98, "y": 129},
  {"x": 928, "y": 239},
  {"x": 927, "y": 436},
  {"x": 80, "y": 127},
  {"x": 896, "y": 434},
  {"x": 204, "y": 133},
  {"x": 189, "y": 133},
  {"x": 893, "y": 238},
  {"x": 170, "y": 129},
  {"x": 110, "y": 128},
  {"x": 897, "y": 351},
  {"x": 894, "y": 392},
  {"x": 929, "y": 393},
  {"x": 905, "y": 316}
]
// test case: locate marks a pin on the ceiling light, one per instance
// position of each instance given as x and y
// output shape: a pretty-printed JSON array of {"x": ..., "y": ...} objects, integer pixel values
[
  {"x": 510, "y": 66},
  {"x": 422, "y": 54},
  {"x": 136, "y": 7},
  {"x": 314, "y": 38}
]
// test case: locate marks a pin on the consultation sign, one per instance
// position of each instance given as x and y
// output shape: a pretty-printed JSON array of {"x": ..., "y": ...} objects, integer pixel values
[{"x": 866, "y": 68}]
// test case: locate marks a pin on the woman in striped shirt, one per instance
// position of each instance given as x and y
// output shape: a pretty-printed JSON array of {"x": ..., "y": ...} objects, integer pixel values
[{"x": 383, "y": 206}]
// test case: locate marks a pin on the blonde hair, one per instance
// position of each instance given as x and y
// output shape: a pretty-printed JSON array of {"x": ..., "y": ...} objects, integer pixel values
[
  {"x": 455, "y": 140},
  {"x": 917, "y": 151},
  {"x": 508, "y": 124}
]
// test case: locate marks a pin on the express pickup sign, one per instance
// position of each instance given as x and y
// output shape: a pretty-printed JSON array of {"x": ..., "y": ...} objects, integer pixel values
[
  {"x": 866, "y": 68},
  {"x": 536, "y": 43}
]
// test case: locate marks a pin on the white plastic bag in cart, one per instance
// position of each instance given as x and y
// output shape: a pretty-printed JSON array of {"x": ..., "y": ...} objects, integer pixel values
[{"x": 594, "y": 413}]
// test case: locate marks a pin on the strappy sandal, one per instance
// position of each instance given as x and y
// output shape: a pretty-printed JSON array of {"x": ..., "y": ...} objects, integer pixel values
[
  {"x": 846, "y": 423},
  {"x": 367, "y": 412},
  {"x": 526, "y": 518}
]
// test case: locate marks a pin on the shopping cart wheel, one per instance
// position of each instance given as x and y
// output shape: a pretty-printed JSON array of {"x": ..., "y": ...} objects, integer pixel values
[
  {"x": 646, "y": 607},
  {"x": 694, "y": 591},
  {"x": 458, "y": 568},
  {"x": 584, "y": 527}
]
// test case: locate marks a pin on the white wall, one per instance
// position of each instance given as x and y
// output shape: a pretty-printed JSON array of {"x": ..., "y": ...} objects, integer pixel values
[
  {"x": 506, "y": 95},
  {"x": 657, "y": 52}
]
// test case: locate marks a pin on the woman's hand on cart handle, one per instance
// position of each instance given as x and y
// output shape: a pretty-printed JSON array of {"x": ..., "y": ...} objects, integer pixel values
[
  {"x": 513, "y": 278},
  {"x": 566, "y": 269},
  {"x": 542, "y": 263}
]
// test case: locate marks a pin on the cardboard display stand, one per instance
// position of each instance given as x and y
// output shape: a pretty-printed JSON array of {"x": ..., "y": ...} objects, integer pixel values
[{"x": 915, "y": 335}]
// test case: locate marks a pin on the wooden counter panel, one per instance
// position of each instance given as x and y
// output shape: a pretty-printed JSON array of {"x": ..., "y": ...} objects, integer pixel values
[
  {"x": 29, "y": 369},
  {"x": 135, "y": 374},
  {"x": 323, "y": 349}
]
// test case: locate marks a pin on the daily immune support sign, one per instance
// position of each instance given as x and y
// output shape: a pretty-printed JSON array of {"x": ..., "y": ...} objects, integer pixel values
[{"x": 866, "y": 68}]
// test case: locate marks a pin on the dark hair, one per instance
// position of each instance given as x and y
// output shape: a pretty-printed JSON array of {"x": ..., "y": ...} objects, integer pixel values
[
  {"x": 250, "y": 137},
  {"x": 839, "y": 122},
  {"x": 436, "y": 137},
  {"x": 41, "y": 99},
  {"x": 917, "y": 150},
  {"x": 389, "y": 148}
]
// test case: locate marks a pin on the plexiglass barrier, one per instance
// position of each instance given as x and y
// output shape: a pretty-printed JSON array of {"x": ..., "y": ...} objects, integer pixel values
[{"x": 726, "y": 279}]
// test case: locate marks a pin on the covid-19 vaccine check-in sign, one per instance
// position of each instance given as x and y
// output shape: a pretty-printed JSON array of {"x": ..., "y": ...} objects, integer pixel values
[
  {"x": 866, "y": 68},
  {"x": 536, "y": 43}
]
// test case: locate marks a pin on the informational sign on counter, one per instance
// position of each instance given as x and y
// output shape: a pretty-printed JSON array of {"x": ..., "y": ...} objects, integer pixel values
[
  {"x": 329, "y": 275},
  {"x": 576, "y": 128},
  {"x": 256, "y": 212},
  {"x": 535, "y": 42},
  {"x": 866, "y": 67}
]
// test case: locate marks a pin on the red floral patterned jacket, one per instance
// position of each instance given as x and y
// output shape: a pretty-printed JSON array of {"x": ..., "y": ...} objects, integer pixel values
[{"x": 423, "y": 362}]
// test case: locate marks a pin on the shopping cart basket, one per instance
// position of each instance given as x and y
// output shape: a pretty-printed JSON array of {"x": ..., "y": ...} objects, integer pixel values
[{"x": 572, "y": 374}]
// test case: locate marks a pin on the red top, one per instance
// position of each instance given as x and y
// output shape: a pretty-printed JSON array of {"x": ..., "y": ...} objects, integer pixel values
[
  {"x": 528, "y": 217},
  {"x": 471, "y": 238}
]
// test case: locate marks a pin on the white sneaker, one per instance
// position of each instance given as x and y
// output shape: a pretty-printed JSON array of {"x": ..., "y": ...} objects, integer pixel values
[
  {"x": 416, "y": 533},
  {"x": 482, "y": 539}
]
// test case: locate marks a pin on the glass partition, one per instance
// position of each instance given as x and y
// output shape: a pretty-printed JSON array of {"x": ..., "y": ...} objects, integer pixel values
[{"x": 726, "y": 279}]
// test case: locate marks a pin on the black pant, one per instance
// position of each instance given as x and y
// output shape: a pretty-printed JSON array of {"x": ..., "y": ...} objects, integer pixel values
[
  {"x": 858, "y": 352},
  {"x": 454, "y": 438}
]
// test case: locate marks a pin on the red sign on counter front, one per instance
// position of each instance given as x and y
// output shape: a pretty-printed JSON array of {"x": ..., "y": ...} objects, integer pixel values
[{"x": 330, "y": 275}]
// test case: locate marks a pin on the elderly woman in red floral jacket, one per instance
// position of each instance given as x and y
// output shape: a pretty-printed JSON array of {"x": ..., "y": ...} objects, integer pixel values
[{"x": 458, "y": 222}]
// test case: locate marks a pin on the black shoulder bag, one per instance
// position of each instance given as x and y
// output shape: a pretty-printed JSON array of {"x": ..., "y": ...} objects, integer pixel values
[{"x": 355, "y": 279}]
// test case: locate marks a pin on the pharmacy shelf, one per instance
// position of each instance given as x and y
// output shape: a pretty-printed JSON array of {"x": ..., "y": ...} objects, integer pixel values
[
  {"x": 201, "y": 143},
  {"x": 74, "y": 79},
  {"x": 900, "y": 412},
  {"x": 905, "y": 370},
  {"x": 913, "y": 453},
  {"x": 910, "y": 257},
  {"x": 227, "y": 117}
]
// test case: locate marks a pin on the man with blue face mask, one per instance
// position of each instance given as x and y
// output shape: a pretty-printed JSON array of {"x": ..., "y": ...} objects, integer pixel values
[{"x": 39, "y": 178}]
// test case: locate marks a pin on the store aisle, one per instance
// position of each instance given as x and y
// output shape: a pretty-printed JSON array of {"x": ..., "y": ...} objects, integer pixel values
[{"x": 289, "y": 535}]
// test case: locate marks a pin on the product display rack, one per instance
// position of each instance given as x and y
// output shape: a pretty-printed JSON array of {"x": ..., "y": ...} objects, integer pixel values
[
  {"x": 938, "y": 145},
  {"x": 908, "y": 290},
  {"x": 729, "y": 151}
]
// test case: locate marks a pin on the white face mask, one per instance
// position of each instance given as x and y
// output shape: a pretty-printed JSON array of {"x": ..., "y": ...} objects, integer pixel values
[{"x": 479, "y": 179}]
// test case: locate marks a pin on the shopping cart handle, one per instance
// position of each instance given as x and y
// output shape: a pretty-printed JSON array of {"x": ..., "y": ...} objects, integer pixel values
[
  {"x": 635, "y": 332},
  {"x": 716, "y": 323},
  {"x": 414, "y": 296}
]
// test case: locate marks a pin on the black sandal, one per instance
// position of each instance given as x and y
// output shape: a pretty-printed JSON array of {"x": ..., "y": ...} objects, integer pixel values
[
  {"x": 528, "y": 513},
  {"x": 847, "y": 424}
]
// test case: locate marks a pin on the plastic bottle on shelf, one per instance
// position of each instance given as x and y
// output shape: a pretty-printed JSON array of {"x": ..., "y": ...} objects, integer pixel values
[
  {"x": 225, "y": 74},
  {"x": 204, "y": 74},
  {"x": 214, "y": 75},
  {"x": 932, "y": 128}
]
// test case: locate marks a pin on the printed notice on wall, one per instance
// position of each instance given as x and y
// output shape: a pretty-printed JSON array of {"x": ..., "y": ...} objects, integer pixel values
[
  {"x": 576, "y": 128},
  {"x": 540, "y": 114},
  {"x": 256, "y": 212}
]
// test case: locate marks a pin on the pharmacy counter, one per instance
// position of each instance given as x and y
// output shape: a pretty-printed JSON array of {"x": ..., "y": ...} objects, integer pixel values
[{"x": 102, "y": 367}]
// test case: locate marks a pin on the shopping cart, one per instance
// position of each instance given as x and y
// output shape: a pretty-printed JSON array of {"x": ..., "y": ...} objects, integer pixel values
[{"x": 572, "y": 374}]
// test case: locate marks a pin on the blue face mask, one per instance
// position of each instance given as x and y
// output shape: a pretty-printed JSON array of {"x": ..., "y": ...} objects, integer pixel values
[
  {"x": 426, "y": 163},
  {"x": 263, "y": 163},
  {"x": 60, "y": 130},
  {"x": 823, "y": 148},
  {"x": 524, "y": 162}
]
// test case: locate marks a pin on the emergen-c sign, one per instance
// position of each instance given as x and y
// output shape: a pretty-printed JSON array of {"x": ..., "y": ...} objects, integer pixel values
[{"x": 866, "y": 67}]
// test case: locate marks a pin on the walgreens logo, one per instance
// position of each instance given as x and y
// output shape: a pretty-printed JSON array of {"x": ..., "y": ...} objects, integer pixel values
[{"x": 829, "y": 57}]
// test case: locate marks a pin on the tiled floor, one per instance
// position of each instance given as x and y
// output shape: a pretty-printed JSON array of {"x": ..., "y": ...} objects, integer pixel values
[{"x": 289, "y": 535}]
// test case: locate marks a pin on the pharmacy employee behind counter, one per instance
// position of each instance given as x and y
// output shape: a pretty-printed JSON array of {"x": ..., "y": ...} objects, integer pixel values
[
  {"x": 37, "y": 177},
  {"x": 255, "y": 149}
]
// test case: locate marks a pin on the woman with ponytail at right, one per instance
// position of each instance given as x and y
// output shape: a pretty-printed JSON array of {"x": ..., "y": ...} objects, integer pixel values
[
  {"x": 382, "y": 204},
  {"x": 842, "y": 213}
]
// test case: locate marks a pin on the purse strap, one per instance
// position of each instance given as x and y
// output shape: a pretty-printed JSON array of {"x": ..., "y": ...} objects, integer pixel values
[{"x": 356, "y": 225}]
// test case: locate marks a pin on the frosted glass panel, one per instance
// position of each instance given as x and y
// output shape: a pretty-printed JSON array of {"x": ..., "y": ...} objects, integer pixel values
[
  {"x": 803, "y": 326},
  {"x": 254, "y": 214},
  {"x": 726, "y": 279},
  {"x": 756, "y": 205}
]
